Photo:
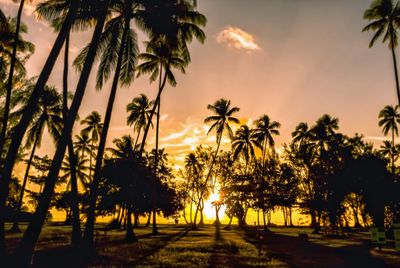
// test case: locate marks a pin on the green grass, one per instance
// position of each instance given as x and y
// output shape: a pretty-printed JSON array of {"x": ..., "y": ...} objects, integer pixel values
[{"x": 179, "y": 246}]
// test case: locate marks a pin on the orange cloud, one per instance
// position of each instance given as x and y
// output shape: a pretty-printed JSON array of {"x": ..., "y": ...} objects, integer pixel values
[{"x": 237, "y": 38}]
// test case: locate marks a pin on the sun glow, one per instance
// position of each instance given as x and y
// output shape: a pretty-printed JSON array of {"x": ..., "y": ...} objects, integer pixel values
[{"x": 209, "y": 208}]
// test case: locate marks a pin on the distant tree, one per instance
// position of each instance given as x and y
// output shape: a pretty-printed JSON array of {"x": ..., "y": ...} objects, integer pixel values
[
  {"x": 389, "y": 118},
  {"x": 244, "y": 143}
]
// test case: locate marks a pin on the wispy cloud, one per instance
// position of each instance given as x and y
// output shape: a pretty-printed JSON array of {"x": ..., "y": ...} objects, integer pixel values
[{"x": 237, "y": 38}]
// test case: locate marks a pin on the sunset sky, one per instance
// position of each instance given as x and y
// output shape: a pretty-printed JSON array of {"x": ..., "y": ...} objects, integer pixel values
[{"x": 291, "y": 59}]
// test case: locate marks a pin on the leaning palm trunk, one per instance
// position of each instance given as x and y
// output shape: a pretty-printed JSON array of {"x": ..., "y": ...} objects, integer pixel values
[
  {"x": 146, "y": 130},
  {"x": 89, "y": 228},
  {"x": 25, "y": 249},
  {"x": 154, "y": 197},
  {"x": 76, "y": 235},
  {"x": 20, "y": 129},
  {"x": 15, "y": 227},
  {"x": 396, "y": 75},
  {"x": 10, "y": 81}
]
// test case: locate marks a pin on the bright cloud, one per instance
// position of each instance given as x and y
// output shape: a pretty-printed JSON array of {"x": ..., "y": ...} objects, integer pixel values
[{"x": 237, "y": 38}]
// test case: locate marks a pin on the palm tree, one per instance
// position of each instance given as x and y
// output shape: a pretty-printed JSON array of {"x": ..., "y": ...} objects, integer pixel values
[
  {"x": 55, "y": 11},
  {"x": 25, "y": 249},
  {"x": 220, "y": 122},
  {"x": 385, "y": 17},
  {"x": 119, "y": 51},
  {"x": 81, "y": 171},
  {"x": 139, "y": 110},
  {"x": 243, "y": 143},
  {"x": 389, "y": 118},
  {"x": 159, "y": 61},
  {"x": 20, "y": 129},
  {"x": 124, "y": 148},
  {"x": 47, "y": 115},
  {"x": 83, "y": 145},
  {"x": 265, "y": 129},
  {"x": 11, "y": 75},
  {"x": 175, "y": 25},
  {"x": 93, "y": 128},
  {"x": 24, "y": 50}
]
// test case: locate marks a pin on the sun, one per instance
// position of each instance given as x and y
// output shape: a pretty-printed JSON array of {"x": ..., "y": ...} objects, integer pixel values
[{"x": 209, "y": 209}]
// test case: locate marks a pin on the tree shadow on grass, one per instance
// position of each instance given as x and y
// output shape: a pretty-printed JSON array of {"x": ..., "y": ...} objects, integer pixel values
[
  {"x": 299, "y": 252},
  {"x": 110, "y": 252},
  {"x": 223, "y": 252}
]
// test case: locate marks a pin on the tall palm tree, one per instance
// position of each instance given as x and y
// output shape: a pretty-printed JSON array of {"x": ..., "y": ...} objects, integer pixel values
[
  {"x": 55, "y": 11},
  {"x": 265, "y": 130},
  {"x": 139, "y": 110},
  {"x": 221, "y": 121},
  {"x": 159, "y": 61},
  {"x": 10, "y": 76},
  {"x": 92, "y": 128},
  {"x": 47, "y": 115},
  {"x": 20, "y": 129},
  {"x": 118, "y": 52},
  {"x": 385, "y": 20},
  {"x": 25, "y": 249},
  {"x": 244, "y": 142},
  {"x": 176, "y": 24},
  {"x": 389, "y": 118}
]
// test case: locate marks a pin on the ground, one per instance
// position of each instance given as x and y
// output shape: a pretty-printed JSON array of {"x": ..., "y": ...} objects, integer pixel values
[{"x": 210, "y": 246}]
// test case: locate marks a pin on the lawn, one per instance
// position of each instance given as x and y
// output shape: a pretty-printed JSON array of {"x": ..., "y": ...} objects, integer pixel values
[{"x": 179, "y": 246}]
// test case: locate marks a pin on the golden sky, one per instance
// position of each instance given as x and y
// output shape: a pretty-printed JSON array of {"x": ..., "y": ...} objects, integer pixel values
[{"x": 291, "y": 59}]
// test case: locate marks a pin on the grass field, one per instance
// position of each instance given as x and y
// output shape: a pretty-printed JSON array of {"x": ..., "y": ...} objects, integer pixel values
[{"x": 179, "y": 246}]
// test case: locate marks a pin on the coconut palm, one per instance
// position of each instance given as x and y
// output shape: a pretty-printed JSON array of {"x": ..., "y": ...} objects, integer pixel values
[
  {"x": 124, "y": 148},
  {"x": 55, "y": 12},
  {"x": 139, "y": 110},
  {"x": 83, "y": 145},
  {"x": 389, "y": 118},
  {"x": 20, "y": 129},
  {"x": 92, "y": 128},
  {"x": 385, "y": 20},
  {"x": 159, "y": 60},
  {"x": 118, "y": 52},
  {"x": 24, "y": 49},
  {"x": 244, "y": 143},
  {"x": 25, "y": 249},
  {"x": 81, "y": 171},
  {"x": 47, "y": 115},
  {"x": 13, "y": 62},
  {"x": 221, "y": 122},
  {"x": 176, "y": 24},
  {"x": 265, "y": 130}
]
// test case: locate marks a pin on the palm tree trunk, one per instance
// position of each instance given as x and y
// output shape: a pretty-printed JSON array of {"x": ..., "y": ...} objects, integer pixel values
[
  {"x": 146, "y": 130},
  {"x": 89, "y": 228},
  {"x": 154, "y": 197},
  {"x": 10, "y": 81},
  {"x": 137, "y": 139},
  {"x": 396, "y": 75},
  {"x": 15, "y": 227},
  {"x": 5, "y": 175},
  {"x": 76, "y": 235},
  {"x": 392, "y": 152},
  {"x": 130, "y": 235},
  {"x": 90, "y": 164},
  {"x": 23, "y": 253}
]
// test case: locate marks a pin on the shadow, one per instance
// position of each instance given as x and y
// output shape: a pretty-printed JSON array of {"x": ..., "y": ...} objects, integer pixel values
[
  {"x": 109, "y": 250},
  {"x": 298, "y": 252},
  {"x": 223, "y": 252}
]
